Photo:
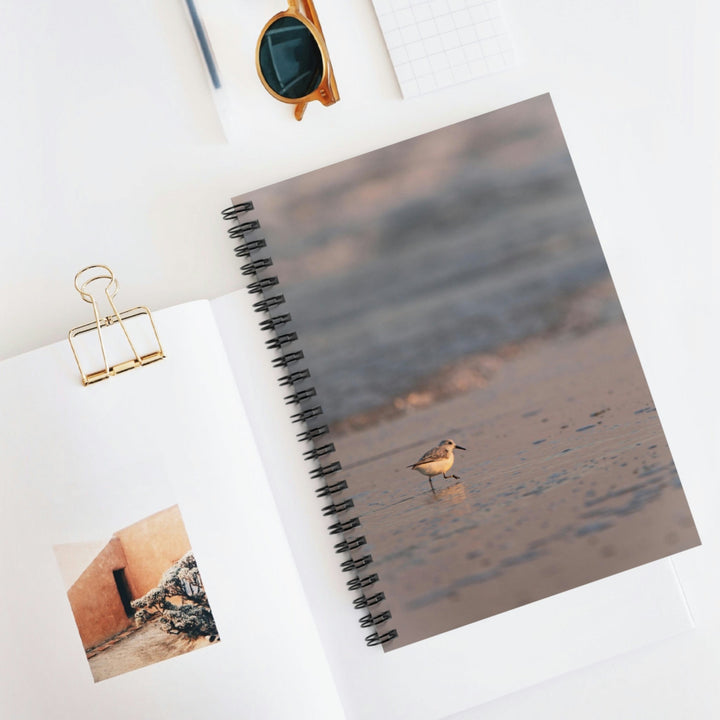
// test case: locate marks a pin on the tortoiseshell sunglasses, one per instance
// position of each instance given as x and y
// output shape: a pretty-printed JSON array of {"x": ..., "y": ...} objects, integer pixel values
[{"x": 292, "y": 58}]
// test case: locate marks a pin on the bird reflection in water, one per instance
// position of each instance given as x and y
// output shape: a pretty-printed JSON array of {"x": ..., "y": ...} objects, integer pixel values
[{"x": 453, "y": 498}]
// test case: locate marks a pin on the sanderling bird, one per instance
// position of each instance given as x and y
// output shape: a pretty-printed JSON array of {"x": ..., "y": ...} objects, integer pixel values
[{"x": 437, "y": 461}]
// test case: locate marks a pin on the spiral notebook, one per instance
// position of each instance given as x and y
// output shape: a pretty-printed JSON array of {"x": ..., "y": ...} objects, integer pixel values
[
  {"x": 442, "y": 293},
  {"x": 477, "y": 409}
]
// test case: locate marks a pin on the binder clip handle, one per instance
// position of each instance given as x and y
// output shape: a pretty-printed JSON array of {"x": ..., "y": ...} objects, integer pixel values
[{"x": 108, "y": 274}]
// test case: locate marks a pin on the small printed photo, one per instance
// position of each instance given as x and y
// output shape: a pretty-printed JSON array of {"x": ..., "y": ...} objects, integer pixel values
[{"x": 137, "y": 597}]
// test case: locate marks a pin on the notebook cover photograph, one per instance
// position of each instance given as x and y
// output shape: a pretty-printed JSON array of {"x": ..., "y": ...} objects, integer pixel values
[{"x": 483, "y": 398}]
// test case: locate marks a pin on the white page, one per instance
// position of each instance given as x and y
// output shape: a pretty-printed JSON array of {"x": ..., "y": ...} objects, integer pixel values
[
  {"x": 458, "y": 669},
  {"x": 78, "y": 463}
]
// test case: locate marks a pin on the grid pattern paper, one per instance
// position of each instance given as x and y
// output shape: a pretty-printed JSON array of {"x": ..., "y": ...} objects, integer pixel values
[{"x": 439, "y": 43}]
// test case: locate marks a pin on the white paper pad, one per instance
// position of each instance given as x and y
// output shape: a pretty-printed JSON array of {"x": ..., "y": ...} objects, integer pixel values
[{"x": 439, "y": 43}]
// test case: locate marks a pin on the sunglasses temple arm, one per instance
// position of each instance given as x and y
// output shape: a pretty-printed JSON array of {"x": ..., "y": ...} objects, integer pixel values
[
  {"x": 300, "y": 110},
  {"x": 310, "y": 12}
]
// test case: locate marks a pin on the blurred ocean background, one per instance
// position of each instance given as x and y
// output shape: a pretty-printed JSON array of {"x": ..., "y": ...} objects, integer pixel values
[{"x": 401, "y": 262}]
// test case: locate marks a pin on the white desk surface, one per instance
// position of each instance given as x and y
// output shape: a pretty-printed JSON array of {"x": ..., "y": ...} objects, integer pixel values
[{"x": 112, "y": 152}]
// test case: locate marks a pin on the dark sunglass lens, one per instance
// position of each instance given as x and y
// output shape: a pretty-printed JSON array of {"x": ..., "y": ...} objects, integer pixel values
[{"x": 290, "y": 59}]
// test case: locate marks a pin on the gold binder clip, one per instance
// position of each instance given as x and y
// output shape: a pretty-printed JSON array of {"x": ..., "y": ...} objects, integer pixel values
[{"x": 102, "y": 272}]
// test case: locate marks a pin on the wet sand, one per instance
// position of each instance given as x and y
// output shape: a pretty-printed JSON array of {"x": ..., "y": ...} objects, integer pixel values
[{"x": 567, "y": 478}]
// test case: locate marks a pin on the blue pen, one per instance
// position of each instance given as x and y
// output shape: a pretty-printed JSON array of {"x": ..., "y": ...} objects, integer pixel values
[{"x": 204, "y": 44}]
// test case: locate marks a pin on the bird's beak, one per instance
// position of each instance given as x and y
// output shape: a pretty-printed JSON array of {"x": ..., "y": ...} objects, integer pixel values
[{"x": 460, "y": 447}]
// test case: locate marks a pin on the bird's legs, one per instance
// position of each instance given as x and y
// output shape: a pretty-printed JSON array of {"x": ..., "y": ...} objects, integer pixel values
[
  {"x": 432, "y": 487},
  {"x": 447, "y": 477}
]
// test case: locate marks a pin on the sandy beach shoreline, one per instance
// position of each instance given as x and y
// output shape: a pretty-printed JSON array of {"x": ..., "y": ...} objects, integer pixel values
[{"x": 567, "y": 479}]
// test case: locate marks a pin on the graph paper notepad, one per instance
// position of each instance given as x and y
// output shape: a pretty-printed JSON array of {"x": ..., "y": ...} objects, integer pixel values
[{"x": 439, "y": 43}]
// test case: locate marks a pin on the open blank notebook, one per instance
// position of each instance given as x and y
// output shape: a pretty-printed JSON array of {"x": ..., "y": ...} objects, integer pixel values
[
  {"x": 439, "y": 43},
  {"x": 124, "y": 462}
]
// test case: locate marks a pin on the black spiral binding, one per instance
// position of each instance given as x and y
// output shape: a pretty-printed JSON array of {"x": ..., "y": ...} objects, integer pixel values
[{"x": 309, "y": 414}]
